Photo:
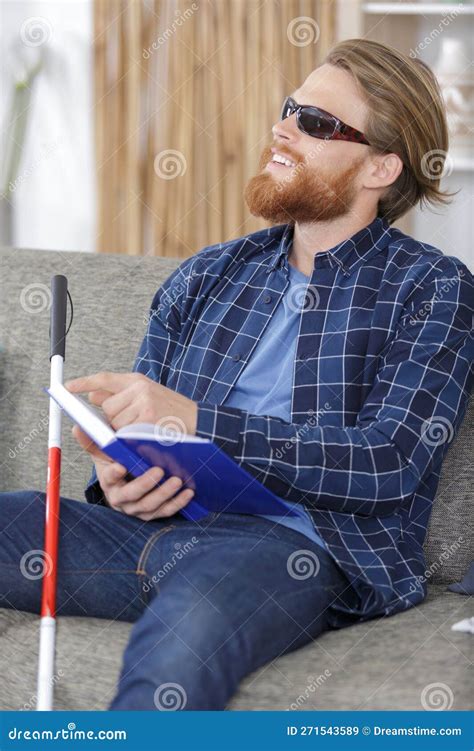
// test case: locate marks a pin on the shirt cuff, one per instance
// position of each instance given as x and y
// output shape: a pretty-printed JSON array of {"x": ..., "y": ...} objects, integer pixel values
[
  {"x": 221, "y": 425},
  {"x": 93, "y": 492}
]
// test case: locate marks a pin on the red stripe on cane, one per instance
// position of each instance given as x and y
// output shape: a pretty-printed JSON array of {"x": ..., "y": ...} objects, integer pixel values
[{"x": 48, "y": 601}]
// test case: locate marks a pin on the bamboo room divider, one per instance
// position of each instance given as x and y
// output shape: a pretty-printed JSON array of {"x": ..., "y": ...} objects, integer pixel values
[{"x": 185, "y": 96}]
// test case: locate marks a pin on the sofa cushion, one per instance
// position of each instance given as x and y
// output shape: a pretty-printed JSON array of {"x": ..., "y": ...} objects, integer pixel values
[
  {"x": 381, "y": 664},
  {"x": 450, "y": 536},
  {"x": 466, "y": 585}
]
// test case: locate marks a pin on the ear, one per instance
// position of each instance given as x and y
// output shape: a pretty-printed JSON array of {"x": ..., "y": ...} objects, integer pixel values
[{"x": 382, "y": 170}]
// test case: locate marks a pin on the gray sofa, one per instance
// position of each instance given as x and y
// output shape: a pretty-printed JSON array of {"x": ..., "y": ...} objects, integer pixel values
[{"x": 381, "y": 664}]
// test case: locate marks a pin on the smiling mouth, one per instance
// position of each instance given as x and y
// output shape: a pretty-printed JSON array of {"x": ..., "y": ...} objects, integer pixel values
[{"x": 280, "y": 161}]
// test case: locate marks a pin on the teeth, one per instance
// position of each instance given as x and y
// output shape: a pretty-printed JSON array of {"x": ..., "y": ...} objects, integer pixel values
[{"x": 282, "y": 160}]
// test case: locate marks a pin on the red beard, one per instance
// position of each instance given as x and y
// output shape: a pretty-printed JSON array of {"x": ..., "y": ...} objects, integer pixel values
[{"x": 302, "y": 195}]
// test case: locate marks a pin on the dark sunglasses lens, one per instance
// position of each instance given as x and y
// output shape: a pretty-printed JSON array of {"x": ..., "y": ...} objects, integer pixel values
[
  {"x": 287, "y": 108},
  {"x": 316, "y": 125}
]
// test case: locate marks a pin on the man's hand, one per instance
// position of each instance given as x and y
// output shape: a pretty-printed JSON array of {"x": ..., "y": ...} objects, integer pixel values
[
  {"x": 131, "y": 398},
  {"x": 128, "y": 398},
  {"x": 138, "y": 497}
]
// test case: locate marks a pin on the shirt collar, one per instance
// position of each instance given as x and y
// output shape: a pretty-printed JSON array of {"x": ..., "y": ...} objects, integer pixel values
[{"x": 349, "y": 253}]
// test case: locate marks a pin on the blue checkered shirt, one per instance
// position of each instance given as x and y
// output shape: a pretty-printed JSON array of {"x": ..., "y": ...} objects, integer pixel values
[{"x": 381, "y": 381}]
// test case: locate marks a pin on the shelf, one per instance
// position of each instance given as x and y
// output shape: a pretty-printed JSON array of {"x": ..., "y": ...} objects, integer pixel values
[
  {"x": 463, "y": 163},
  {"x": 418, "y": 9}
]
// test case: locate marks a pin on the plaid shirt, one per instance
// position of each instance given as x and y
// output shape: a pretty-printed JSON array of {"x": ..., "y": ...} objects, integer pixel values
[{"x": 380, "y": 386}]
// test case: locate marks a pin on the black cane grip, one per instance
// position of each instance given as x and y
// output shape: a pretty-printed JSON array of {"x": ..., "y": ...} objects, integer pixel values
[{"x": 58, "y": 315}]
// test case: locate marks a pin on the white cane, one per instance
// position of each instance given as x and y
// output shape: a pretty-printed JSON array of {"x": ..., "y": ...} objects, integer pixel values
[{"x": 45, "y": 686}]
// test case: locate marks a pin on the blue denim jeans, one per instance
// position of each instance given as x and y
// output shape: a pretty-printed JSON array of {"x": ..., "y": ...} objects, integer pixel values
[{"x": 210, "y": 602}]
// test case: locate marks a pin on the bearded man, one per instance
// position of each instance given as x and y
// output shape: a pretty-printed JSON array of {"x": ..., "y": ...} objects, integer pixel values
[{"x": 323, "y": 354}]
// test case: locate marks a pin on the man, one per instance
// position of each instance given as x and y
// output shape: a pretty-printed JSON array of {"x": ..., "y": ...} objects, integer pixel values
[{"x": 329, "y": 355}]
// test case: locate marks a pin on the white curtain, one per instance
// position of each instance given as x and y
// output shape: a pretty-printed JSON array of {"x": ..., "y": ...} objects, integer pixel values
[{"x": 53, "y": 194}]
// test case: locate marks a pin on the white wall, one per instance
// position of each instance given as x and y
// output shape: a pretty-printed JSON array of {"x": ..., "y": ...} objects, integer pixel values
[
  {"x": 452, "y": 230},
  {"x": 54, "y": 198}
]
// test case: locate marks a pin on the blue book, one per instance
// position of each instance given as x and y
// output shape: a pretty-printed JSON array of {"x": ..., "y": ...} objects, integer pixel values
[{"x": 219, "y": 483}]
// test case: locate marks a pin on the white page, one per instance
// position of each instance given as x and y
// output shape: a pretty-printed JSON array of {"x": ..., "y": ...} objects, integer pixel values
[
  {"x": 92, "y": 423},
  {"x": 148, "y": 431},
  {"x": 84, "y": 415}
]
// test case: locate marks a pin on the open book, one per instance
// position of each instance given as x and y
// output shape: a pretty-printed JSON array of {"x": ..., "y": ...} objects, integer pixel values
[{"x": 219, "y": 483}]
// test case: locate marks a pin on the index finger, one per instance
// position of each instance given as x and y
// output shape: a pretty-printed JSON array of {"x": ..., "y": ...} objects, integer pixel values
[
  {"x": 88, "y": 445},
  {"x": 112, "y": 382}
]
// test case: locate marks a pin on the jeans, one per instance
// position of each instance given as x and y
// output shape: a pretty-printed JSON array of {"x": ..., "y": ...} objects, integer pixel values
[{"x": 210, "y": 601}]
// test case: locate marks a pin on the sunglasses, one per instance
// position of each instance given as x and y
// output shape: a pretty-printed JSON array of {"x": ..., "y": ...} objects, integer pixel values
[{"x": 320, "y": 124}]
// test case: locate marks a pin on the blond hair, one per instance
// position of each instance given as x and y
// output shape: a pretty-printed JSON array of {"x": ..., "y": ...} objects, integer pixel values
[{"x": 407, "y": 116}]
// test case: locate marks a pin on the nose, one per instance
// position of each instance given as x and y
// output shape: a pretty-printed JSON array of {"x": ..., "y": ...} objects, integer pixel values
[{"x": 286, "y": 130}]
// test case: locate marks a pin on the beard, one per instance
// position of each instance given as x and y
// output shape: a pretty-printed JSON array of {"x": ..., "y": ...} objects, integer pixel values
[{"x": 302, "y": 195}]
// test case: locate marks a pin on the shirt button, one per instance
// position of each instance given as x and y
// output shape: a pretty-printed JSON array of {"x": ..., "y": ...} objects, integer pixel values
[
  {"x": 267, "y": 298},
  {"x": 236, "y": 357}
]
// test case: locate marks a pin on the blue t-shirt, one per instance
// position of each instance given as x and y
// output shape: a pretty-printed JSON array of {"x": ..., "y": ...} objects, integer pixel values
[{"x": 265, "y": 385}]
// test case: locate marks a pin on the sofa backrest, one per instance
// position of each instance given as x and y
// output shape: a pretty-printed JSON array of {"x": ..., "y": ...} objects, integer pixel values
[{"x": 112, "y": 296}]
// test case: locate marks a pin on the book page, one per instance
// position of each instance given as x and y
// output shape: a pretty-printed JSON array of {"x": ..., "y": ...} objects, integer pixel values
[{"x": 149, "y": 432}]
